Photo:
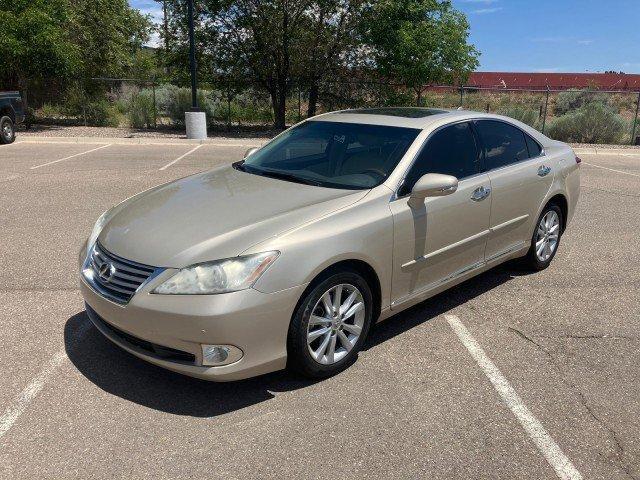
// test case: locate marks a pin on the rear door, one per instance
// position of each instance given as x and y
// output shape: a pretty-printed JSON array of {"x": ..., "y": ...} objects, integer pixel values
[
  {"x": 444, "y": 237},
  {"x": 520, "y": 178}
]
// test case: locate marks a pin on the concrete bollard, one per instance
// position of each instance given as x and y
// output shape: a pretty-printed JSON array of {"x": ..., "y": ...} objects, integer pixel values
[{"x": 196, "y": 123}]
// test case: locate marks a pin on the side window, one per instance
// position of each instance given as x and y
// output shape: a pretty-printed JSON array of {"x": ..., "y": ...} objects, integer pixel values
[
  {"x": 451, "y": 150},
  {"x": 534, "y": 147},
  {"x": 503, "y": 144}
]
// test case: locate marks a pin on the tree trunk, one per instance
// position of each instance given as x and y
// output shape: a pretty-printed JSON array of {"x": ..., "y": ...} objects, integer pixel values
[
  {"x": 280, "y": 110},
  {"x": 313, "y": 99},
  {"x": 279, "y": 106},
  {"x": 419, "y": 95},
  {"x": 23, "y": 87}
]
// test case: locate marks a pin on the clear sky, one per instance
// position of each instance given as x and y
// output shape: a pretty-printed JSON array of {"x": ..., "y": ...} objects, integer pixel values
[{"x": 544, "y": 35}]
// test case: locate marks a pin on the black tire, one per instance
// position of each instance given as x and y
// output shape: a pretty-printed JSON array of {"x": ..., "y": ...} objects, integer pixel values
[
  {"x": 299, "y": 358},
  {"x": 7, "y": 130},
  {"x": 531, "y": 260}
]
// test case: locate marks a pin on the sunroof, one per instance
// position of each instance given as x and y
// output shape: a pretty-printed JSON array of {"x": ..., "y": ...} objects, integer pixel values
[{"x": 407, "y": 112}]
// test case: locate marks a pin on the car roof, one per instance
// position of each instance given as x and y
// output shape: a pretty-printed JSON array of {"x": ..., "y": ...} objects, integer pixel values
[
  {"x": 416, "y": 117},
  {"x": 410, "y": 117}
]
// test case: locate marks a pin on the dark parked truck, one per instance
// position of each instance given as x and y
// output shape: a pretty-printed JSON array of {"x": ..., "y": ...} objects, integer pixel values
[{"x": 11, "y": 114}]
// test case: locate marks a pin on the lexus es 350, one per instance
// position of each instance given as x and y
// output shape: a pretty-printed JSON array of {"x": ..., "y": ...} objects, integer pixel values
[{"x": 286, "y": 258}]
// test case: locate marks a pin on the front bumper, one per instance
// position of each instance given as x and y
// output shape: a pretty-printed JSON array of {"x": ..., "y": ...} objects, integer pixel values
[{"x": 255, "y": 322}]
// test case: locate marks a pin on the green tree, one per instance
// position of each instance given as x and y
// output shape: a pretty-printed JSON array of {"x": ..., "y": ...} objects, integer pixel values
[
  {"x": 262, "y": 41},
  {"x": 418, "y": 42},
  {"x": 330, "y": 35},
  {"x": 111, "y": 34},
  {"x": 34, "y": 41},
  {"x": 175, "y": 39}
]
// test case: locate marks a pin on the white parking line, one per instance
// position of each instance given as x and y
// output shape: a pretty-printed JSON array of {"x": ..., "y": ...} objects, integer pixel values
[
  {"x": 69, "y": 157},
  {"x": 548, "y": 447},
  {"x": 180, "y": 157},
  {"x": 22, "y": 401},
  {"x": 611, "y": 169},
  {"x": 134, "y": 143},
  {"x": 29, "y": 393}
]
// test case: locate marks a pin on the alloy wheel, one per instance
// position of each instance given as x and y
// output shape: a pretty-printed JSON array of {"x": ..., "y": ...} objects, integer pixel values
[
  {"x": 547, "y": 235},
  {"x": 7, "y": 130},
  {"x": 335, "y": 324}
]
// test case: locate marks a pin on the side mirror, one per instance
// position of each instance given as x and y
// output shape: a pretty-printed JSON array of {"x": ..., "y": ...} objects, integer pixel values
[
  {"x": 434, "y": 185},
  {"x": 251, "y": 151}
]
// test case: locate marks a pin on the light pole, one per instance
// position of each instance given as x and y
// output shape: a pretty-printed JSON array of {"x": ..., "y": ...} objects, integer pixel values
[
  {"x": 195, "y": 120},
  {"x": 192, "y": 58}
]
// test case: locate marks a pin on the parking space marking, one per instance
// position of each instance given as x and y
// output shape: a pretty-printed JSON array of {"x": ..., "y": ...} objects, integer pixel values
[
  {"x": 118, "y": 141},
  {"x": 181, "y": 157},
  {"x": 548, "y": 447},
  {"x": 22, "y": 401},
  {"x": 29, "y": 393},
  {"x": 611, "y": 169},
  {"x": 70, "y": 157}
]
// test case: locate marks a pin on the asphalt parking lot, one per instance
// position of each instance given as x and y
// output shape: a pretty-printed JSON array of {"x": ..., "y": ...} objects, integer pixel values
[{"x": 509, "y": 375}]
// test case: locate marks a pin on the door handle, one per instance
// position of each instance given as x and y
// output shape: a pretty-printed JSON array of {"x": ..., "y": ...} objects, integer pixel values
[
  {"x": 480, "y": 193},
  {"x": 543, "y": 170}
]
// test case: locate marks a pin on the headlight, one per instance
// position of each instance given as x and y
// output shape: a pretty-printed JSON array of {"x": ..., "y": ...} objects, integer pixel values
[
  {"x": 97, "y": 228},
  {"x": 221, "y": 276}
]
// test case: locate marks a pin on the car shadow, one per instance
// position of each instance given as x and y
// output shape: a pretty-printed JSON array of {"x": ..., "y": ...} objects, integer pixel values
[
  {"x": 443, "y": 302},
  {"x": 119, "y": 373}
]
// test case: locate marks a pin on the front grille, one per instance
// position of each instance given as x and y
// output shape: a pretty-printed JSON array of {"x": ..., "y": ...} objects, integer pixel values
[
  {"x": 165, "y": 353},
  {"x": 115, "y": 277}
]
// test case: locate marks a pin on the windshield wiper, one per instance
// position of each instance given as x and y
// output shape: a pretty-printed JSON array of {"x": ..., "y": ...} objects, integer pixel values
[
  {"x": 239, "y": 166},
  {"x": 280, "y": 175}
]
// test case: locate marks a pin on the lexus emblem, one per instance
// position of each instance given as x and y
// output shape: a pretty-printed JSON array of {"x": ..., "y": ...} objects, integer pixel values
[{"x": 106, "y": 271}]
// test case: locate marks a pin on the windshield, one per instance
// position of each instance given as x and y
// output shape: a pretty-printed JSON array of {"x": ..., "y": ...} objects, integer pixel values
[{"x": 332, "y": 154}]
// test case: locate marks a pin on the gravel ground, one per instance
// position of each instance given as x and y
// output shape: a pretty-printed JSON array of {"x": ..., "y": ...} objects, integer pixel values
[{"x": 113, "y": 132}]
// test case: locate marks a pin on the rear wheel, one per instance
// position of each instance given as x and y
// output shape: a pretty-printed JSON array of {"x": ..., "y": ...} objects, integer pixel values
[
  {"x": 546, "y": 238},
  {"x": 7, "y": 130},
  {"x": 330, "y": 325}
]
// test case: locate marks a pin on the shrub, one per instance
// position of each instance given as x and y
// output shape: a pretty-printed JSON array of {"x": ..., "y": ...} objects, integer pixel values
[
  {"x": 523, "y": 114},
  {"x": 88, "y": 110},
  {"x": 250, "y": 107},
  {"x": 175, "y": 101},
  {"x": 571, "y": 100},
  {"x": 100, "y": 114},
  {"x": 591, "y": 123},
  {"x": 140, "y": 110},
  {"x": 75, "y": 100},
  {"x": 50, "y": 111}
]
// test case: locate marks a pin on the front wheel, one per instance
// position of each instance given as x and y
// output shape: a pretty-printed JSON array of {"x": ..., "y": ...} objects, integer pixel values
[
  {"x": 7, "y": 130},
  {"x": 546, "y": 238},
  {"x": 330, "y": 325}
]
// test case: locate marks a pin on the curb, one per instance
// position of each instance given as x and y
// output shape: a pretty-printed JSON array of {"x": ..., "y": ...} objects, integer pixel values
[{"x": 626, "y": 152}]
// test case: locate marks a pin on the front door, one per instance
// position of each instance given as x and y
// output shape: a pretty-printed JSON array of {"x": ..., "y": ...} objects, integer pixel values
[{"x": 442, "y": 237}]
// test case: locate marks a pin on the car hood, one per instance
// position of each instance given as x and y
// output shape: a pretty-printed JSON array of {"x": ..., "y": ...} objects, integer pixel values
[{"x": 213, "y": 215}]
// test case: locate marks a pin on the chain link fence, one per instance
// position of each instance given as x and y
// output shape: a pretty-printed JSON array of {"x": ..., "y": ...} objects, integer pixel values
[{"x": 583, "y": 116}]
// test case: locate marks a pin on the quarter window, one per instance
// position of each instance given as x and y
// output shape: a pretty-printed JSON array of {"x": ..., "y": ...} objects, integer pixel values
[
  {"x": 534, "y": 147},
  {"x": 503, "y": 144},
  {"x": 451, "y": 151}
]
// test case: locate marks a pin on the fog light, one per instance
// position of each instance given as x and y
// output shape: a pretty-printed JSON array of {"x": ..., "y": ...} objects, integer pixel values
[{"x": 217, "y": 355}]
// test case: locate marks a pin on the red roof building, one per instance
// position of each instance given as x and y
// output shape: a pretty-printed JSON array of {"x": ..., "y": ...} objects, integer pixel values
[{"x": 559, "y": 81}]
